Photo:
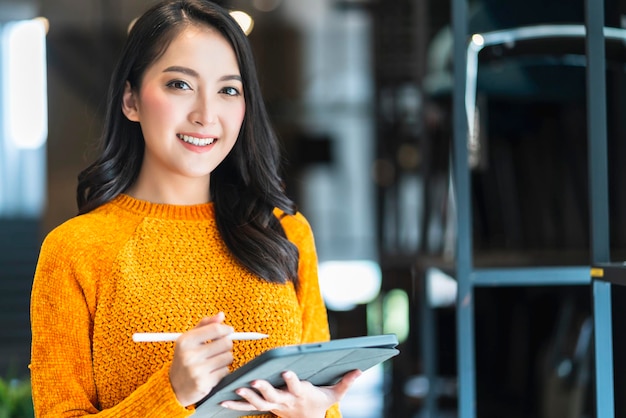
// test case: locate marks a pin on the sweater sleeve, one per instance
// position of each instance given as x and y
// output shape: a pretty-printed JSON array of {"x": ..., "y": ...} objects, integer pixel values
[
  {"x": 314, "y": 316},
  {"x": 62, "y": 308}
]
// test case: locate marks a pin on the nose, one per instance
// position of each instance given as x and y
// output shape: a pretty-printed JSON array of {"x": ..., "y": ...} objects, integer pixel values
[{"x": 204, "y": 112}]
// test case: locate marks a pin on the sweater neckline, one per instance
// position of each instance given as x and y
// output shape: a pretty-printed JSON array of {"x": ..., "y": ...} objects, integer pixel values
[{"x": 163, "y": 210}]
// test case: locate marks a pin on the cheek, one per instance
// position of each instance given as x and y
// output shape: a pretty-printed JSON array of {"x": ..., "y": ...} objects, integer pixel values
[
  {"x": 156, "y": 105},
  {"x": 238, "y": 116}
]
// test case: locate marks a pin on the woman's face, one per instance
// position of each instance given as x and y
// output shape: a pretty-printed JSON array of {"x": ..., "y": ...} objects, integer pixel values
[{"x": 190, "y": 106}]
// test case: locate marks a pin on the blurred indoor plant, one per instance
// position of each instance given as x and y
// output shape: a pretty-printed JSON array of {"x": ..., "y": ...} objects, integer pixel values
[{"x": 15, "y": 399}]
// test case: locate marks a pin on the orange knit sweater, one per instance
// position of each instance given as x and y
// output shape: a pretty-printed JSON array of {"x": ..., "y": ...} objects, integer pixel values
[{"x": 133, "y": 266}]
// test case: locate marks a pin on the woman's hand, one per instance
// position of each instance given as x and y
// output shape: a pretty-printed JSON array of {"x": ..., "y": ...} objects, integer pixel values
[
  {"x": 198, "y": 365},
  {"x": 298, "y": 399}
]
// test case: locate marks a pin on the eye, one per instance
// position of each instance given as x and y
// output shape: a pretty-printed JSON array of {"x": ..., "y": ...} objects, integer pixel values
[
  {"x": 178, "y": 85},
  {"x": 230, "y": 91}
]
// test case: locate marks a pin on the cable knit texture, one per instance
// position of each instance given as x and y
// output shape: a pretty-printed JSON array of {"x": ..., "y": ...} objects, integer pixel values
[{"x": 133, "y": 266}]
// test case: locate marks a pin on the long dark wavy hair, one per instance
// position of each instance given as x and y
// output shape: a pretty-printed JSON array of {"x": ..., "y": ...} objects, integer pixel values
[{"x": 245, "y": 188}]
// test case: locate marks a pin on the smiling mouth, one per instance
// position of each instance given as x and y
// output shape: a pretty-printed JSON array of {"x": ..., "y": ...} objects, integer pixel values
[{"x": 200, "y": 142}]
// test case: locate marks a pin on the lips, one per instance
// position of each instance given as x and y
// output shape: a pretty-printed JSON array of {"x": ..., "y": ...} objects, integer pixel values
[{"x": 199, "y": 142}]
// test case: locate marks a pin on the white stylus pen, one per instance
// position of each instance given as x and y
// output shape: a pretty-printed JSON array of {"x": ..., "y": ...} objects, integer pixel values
[{"x": 155, "y": 337}]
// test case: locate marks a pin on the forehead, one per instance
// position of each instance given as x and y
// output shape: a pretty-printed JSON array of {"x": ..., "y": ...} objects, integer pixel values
[{"x": 199, "y": 45}]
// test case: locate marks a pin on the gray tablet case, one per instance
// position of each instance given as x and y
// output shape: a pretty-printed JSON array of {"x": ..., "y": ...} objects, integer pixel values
[{"x": 319, "y": 363}]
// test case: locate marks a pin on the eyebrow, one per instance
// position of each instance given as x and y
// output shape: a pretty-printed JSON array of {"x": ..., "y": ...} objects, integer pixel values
[{"x": 194, "y": 73}]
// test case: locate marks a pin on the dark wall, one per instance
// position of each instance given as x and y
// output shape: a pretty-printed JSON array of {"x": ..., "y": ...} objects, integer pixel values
[{"x": 19, "y": 247}]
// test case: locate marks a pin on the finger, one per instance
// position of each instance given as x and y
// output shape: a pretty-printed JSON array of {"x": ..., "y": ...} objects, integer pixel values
[
  {"x": 258, "y": 400},
  {"x": 222, "y": 330},
  {"x": 267, "y": 392},
  {"x": 238, "y": 406},
  {"x": 344, "y": 384},
  {"x": 219, "y": 317},
  {"x": 212, "y": 331},
  {"x": 208, "y": 377},
  {"x": 207, "y": 320},
  {"x": 210, "y": 356},
  {"x": 191, "y": 354},
  {"x": 215, "y": 319},
  {"x": 213, "y": 334},
  {"x": 220, "y": 362},
  {"x": 294, "y": 385}
]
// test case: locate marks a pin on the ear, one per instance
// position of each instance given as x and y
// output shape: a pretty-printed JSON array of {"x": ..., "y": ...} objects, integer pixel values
[{"x": 129, "y": 104}]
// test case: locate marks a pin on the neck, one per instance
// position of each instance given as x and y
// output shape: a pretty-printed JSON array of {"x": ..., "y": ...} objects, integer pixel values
[{"x": 172, "y": 191}]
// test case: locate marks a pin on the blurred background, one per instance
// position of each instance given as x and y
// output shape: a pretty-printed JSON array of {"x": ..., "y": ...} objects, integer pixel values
[{"x": 360, "y": 92}]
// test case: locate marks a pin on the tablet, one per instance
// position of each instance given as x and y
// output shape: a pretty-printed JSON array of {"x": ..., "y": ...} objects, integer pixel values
[{"x": 319, "y": 363}]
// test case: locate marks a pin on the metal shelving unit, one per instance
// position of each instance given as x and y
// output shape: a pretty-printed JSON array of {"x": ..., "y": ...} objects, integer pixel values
[
  {"x": 604, "y": 275},
  {"x": 468, "y": 277}
]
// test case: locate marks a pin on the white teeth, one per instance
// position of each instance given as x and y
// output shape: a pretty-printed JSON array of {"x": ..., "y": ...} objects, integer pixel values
[{"x": 202, "y": 142}]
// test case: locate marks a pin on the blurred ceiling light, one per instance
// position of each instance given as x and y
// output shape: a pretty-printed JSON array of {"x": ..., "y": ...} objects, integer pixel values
[
  {"x": 345, "y": 284},
  {"x": 24, "y": 86},
  {"x": 244, "y": 19},
  {"x": 45, "y": 22},
  {"x": 266, "y": 5},
  {"x": 478, "y": 39},
  {"x": 441, "y": 288},
  {"x": 131, "y": 24}
]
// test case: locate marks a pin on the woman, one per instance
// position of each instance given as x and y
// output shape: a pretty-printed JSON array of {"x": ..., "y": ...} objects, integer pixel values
[{"x": 184, "y": 227}]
